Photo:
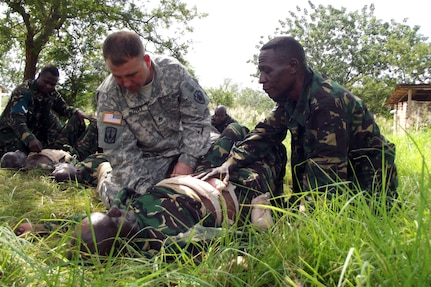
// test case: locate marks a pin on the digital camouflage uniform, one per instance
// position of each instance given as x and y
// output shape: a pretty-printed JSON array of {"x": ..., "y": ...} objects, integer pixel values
[
  {"x": 162, "y": 211},
  {"x": 334, "y": 138},
  {"x": 31, "y": 115},
  {"x": 143, "y": 134}
]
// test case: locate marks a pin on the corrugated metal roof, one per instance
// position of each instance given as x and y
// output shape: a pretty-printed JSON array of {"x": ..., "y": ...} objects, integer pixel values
[{"x": 420, "y": 92}]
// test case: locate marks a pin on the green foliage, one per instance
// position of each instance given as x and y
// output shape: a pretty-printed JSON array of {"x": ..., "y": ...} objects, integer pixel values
[
  {"x": 257, "y": 100},
  {"x": 374, "y": 94},
  {"x": 359, "y": 51},
  {"x": 69, "y": 34},
  {"x": 247, "y": 106},
  {"x": 223, "y": 95}
]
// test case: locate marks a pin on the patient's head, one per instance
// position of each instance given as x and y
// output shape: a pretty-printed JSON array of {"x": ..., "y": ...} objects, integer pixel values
[
  {"x": 100, "y": 232},
  {"x": 13, "y": 159}
]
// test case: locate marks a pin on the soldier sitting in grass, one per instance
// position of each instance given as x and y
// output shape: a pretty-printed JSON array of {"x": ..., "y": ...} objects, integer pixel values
[
  {"x": 221, "y": 119},
  {"x": 29, "y": 122}
]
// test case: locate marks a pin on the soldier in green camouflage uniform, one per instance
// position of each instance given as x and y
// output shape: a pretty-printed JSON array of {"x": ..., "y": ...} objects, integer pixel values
[
  {"x": 29, "y": 122},
  {"x": 153, "y": 117},
  {"x": 334, "y": 137}
]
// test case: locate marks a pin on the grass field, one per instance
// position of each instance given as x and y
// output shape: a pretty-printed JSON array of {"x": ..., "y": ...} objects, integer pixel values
[{"x": 342, "y": 243}]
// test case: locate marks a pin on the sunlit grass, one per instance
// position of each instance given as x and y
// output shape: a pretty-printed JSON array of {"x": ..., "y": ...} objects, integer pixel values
[{"x": 342, "y": 243}]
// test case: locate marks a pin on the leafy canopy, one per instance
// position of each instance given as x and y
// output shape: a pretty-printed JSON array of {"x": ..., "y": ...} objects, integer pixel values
[
  {"x": 69, "y": 33},
  {"x": 365, "y": 54}
]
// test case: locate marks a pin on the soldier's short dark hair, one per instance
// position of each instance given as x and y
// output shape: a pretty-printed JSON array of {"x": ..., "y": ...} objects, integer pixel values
[
  {"x": 120, "y": 46},
  {"x": 286, "y": 47},
  {"x": 50, "y": 69}
]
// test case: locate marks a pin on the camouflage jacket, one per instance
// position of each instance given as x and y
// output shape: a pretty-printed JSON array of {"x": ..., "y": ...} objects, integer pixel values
[
  {"x": 28, "y": 112},
  {"x": 334, "y": 138},
  {"x": 173, "y": 120}
]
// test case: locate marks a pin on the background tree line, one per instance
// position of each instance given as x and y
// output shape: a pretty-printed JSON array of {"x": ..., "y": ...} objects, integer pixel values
[
  {"x": 365, "y": 54},
  {"x": 69, "y": 33}
]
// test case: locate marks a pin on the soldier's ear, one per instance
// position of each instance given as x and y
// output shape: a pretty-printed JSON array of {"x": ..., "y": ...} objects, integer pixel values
[
  {"x": 294, "y": 64},
  {"x": 147, "y": 60},
  {"x": 114, "y": 212}
]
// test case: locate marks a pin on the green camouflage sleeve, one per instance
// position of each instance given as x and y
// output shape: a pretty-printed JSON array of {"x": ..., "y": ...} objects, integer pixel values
[
  {"x": 339, "y": 132},
  {"x": 259, "y": 141},
  {"x": 17, "y": 119},
  {"x": 60, "y": 106}
]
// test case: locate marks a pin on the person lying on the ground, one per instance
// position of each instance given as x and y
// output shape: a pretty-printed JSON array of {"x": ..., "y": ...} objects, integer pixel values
[
  {"x": 61, "y": 164},
  {"x": 171, "y": 207},
  {"x": 13, "y": 160},
  {"x": 45, "y": 159},
  {"x": 176, "y": 204}
]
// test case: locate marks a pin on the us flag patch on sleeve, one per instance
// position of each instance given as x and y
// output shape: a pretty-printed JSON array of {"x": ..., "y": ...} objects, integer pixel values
[{"x": 112, "y": 118}]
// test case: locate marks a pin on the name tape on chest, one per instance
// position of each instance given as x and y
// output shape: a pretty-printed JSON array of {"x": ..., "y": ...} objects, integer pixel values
[{"x": 112, "y": 118}]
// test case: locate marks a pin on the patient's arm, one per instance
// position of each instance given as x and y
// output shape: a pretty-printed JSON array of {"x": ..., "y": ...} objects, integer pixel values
[{"x": 41, "y": 228}]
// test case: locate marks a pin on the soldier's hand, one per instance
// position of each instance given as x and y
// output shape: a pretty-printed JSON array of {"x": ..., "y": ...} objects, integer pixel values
[
  {"x": 35, "y": 145},
  {"x": 221, "y": 172}
]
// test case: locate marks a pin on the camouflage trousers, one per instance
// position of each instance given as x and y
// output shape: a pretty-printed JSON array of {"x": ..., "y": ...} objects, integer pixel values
[
  {"x": 88, "y": 168},
  {"x": 162, "y": 212}
]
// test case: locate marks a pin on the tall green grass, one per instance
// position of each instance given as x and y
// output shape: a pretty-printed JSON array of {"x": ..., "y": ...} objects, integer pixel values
[{"x": 344, "y": 242}]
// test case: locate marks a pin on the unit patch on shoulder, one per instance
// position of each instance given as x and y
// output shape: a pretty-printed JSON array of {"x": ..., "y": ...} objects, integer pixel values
[
  {"x": 110, "y": 128},
  {"x": 194, "y": 93},
  {"x": 199, "y": 97},
  {"x": 110, "y": 135}
]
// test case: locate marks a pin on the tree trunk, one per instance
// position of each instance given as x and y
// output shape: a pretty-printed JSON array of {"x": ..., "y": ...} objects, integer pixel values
[{"x": 31, "y": 57}]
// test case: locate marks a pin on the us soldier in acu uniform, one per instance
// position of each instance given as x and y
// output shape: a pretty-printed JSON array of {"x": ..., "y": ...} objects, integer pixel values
[
  {"x": 334, "y": 137},
  {"x": 153, "y": 118},
  {"x": 29, "y": 122}
]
